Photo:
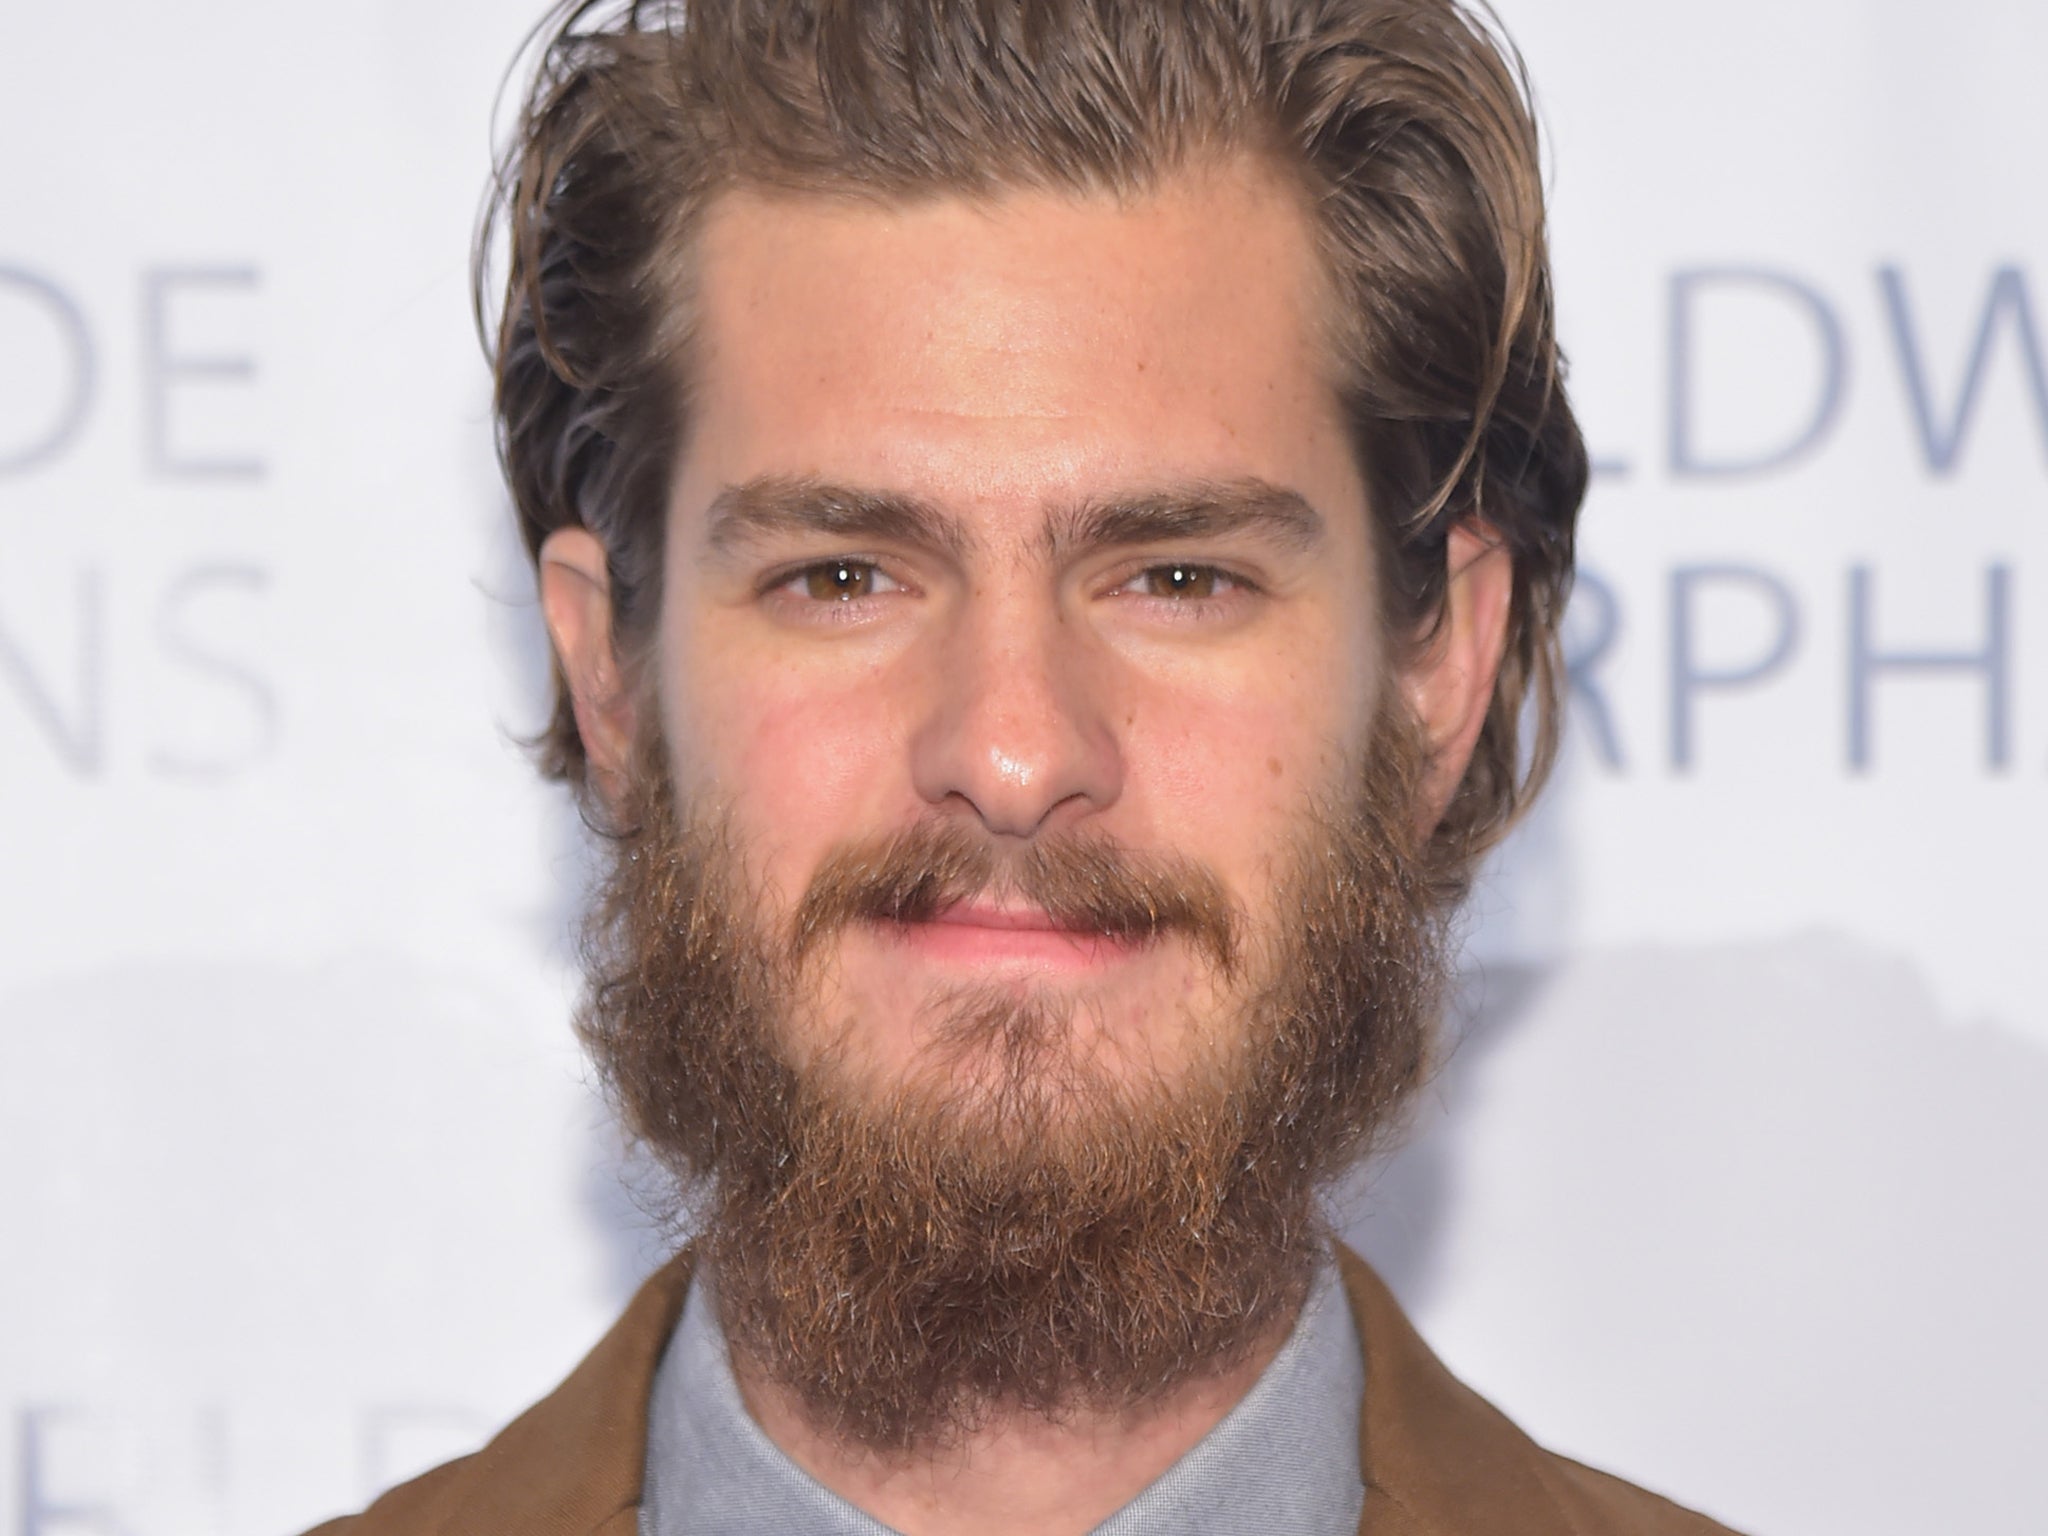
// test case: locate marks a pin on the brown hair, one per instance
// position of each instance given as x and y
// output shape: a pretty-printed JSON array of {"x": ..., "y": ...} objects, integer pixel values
[{"x": 1406, "y": 122}]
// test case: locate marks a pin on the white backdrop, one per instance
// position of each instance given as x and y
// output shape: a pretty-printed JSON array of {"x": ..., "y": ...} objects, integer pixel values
[{"x": 1737, "y": 1184}]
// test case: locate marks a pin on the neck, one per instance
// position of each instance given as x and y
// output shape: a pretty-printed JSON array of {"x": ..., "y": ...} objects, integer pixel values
[{"x": 1013, "y": 1473}]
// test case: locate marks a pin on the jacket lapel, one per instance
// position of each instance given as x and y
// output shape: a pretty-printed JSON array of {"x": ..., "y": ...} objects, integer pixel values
[{"x": 1439, "y": 1460}]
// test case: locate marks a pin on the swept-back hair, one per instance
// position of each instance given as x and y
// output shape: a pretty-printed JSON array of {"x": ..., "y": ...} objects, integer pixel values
[{"x": 1405, "y": 122}]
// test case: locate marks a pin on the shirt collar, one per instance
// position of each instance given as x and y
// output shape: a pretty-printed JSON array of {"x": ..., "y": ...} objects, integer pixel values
[{"x": 1285, "y": 1458}]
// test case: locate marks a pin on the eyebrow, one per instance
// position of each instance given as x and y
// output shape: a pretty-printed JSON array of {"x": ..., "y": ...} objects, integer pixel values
[
  {"x": 779, "y": 505},
  {"x": 1207, "y": 509},
  {"x": 772, "y": 505}
]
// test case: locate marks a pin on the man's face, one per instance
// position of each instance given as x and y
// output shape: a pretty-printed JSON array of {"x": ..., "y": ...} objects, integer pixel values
[
  {"x": 1019, "y": 909},
  {"x": 1033, "y": 518}
]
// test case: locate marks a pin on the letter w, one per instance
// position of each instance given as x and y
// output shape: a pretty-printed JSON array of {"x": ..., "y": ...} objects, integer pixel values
[{"x": 1943, "y": 441}]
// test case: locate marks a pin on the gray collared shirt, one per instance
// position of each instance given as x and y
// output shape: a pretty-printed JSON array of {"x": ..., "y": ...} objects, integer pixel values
[{"x": 1283, "y": 1462}]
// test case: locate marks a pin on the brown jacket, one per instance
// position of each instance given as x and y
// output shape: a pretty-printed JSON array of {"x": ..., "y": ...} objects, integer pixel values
[{"x": 1438, "y": 1459}]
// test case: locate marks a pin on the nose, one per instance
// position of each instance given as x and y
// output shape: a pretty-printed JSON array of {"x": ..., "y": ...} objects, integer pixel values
[{"x": 1019, "y": 727}]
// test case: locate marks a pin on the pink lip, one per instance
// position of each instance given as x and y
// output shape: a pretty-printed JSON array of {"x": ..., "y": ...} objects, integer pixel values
[
  {"x": 979, "y": 937},
  {"x": 967, "y": 914}
]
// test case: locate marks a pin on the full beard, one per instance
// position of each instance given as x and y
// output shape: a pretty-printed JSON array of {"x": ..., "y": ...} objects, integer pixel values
[{"x": 1011, "y": 1227}]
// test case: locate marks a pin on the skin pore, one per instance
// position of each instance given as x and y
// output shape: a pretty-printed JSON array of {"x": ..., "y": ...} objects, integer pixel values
[{"x": 1034, "y": 514}]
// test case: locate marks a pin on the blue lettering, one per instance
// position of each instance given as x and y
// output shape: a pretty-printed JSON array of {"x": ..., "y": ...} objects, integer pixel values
[
  {"x": 42, "y": 1514},
  {"x": 1942, "y": 443},
  {"x": 1584, "y": 651},
  {"x": 1686, "y": 287},
  {"x": 80, "y": 740},
  {"x": 164, "y": 368},
  {"x": 177, "y": 604},
  {"x": 1993, "y": 662},
  {"x": 75, "y": 397},
  {"x": 1688, "y": 677}
]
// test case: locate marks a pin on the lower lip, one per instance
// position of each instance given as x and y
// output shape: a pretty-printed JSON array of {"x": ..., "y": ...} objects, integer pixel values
[{"x": 976, "y": 945}]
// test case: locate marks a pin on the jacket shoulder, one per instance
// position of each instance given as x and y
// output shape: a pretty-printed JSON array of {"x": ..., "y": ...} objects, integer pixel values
[
  {"x": 1599, "y": 1502},
  {"x": 421, "y": 1505},
  {"x": 571, "y": 1465},
  {"x": 1440, "y": 1460}
]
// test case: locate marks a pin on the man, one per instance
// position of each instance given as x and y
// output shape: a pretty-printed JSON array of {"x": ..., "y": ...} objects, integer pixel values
[{"x": 1052, "y": 515}]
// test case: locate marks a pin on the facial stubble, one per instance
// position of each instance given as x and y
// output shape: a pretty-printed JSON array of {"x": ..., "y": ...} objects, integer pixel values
[{"x": 1013, "y": 1226}]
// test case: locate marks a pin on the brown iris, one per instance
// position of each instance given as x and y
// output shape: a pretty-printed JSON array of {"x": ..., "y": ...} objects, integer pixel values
[
  {"x": 839, "y": 581},
  {"x": 1196, "y": 581}
]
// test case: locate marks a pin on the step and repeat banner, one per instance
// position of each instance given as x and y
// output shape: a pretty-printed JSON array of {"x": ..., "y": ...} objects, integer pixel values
[{"x": 1738, "y": 1180}]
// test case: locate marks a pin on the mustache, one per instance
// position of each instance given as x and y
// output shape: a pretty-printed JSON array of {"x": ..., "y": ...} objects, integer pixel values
[{"x": 1087, "y": 883}]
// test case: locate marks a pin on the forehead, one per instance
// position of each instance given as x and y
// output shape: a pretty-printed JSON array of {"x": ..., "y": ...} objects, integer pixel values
[{"x": 1032, "y": 346}]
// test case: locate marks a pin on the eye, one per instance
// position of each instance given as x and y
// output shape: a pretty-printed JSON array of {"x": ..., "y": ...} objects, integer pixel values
[
  {"x": 840, "y": 581},
  {"x": 1183, "y": 580}
]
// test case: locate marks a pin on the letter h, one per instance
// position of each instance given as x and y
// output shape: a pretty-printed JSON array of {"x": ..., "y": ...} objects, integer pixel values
[{"x": 1993, "y": 662}]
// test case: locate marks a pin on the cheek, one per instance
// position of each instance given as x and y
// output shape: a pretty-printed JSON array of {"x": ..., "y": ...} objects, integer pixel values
[
  {"x": 795, "y": 760},
  {"x": 1227, "y": 770}
]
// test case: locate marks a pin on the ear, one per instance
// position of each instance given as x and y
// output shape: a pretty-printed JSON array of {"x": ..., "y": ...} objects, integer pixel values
[
  {"x": 576, "y": 601},
  {"x": 1449, "y": 683}
]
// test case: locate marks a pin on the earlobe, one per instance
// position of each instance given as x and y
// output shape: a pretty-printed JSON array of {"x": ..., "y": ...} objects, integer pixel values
[
  {"x": 1449, "y": 683},
  {"x": 575, "y": 600}
]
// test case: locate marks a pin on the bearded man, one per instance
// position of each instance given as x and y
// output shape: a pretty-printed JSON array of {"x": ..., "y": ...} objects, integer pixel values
[{"x": 1053, "y": 517}]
